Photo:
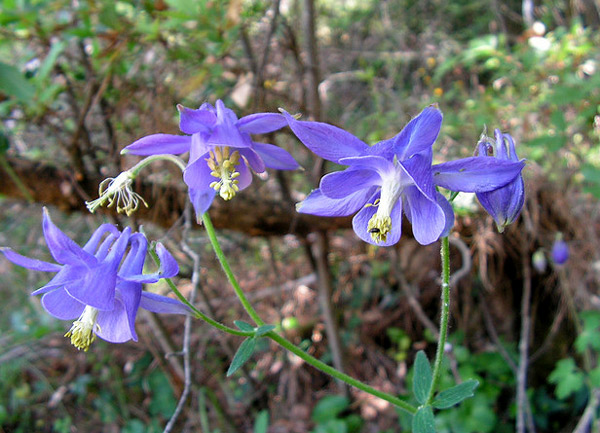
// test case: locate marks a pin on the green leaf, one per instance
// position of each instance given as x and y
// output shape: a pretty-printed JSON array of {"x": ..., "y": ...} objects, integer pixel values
[
  {"x": 261, "y": 423},
  {"x": 423, "y": 421},
  {"x": 243, "y": 326},
  {"x": 589, "y": 335},
  {"x": 242, "y": 355},
  {"x": 422, "y": 377},
  {"x": 567, "y": 377},
  {"x": 455, "y": 395},
  {"x": 4, "y": 143},
  {"x": 262, "y": 330},
  {"x": 329, "y": 408},
  {"x": 13, "y": 83},
  {"x": 50, "y": 61},
  {"x": 332, "y": 426},
  {"x": 595, "y": 377}
]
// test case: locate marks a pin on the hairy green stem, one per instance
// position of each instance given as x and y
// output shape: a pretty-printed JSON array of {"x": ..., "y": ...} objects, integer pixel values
[
  {"x": 197, "y": 313},
  {"x": 439, "y": 356},
  {"x": 135, "y": 170},
  {"x": 212, "y": 235},
  {"x": 319, "y": 365}
]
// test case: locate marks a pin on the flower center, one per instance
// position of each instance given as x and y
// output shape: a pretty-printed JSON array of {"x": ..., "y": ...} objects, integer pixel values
[
  {"x": 223, "y": 167},
  {"x": 380, "y": 224},
  {"x": 117, "y": 191},
  {"x": 83, "y": 331}
]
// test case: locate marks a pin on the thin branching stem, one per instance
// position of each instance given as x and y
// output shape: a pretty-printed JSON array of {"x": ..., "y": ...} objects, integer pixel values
[
  {"x": 445, "y": 309},
  {"x": 319, "y": 365}
]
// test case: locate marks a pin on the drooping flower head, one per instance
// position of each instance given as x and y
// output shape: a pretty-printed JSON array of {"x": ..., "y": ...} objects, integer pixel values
[
  {"x": 100, "y": 284},
  {"x": 503, "y": 204},
  {"x": 221, "y": 150},
  {"x": 560, "y": 250},
  {"x": 394, "y": 176}
]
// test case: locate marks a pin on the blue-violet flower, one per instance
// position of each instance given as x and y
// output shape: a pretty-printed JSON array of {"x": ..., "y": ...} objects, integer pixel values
[
  {"x": 221, "y": 150},
  {"x": 560, "y": 251},
  {"x": 503, "y": 204},
  {"x": 100, "y": 285},
  {"x": 393, "y": 176}
]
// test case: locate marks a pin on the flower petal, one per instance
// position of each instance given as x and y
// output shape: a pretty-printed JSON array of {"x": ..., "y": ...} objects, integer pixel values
[
  {"x": 193, "y": 121},
  {"x": 159, "y": 144},
  {"x": 253, "y": 159},
  {"x": 168, "y": 265},
  {"x": 428, "y": 218},
  {"x": 92, "y": 244},
  {"x": 197, "y": 174},
  {"x": 476, "y": 174},
  {"x": 168, "y": 268},
  {"x": 374, "y": 162},
  {"x": 261, "y": 123},
  {"x": 66, "y": 275},
  {"x": 201, "y": 199},
  {"x": 275, "y": 156},
  {"x": 199, "y": 148},
  {"x": 360, "y": 223},
  {"x": 26, "y": 262},
  {"x": 245, "y": 177},
  {"x": 418, "y": 168},
  {"x": 162, "y": 304},
  {"x": 133, "y": 264},
  {"x": 341, "y": 184},
  {"x": 96, "y": 288},
  {"x": 114, "y": 325},
  {"x": 97, "y": 285},
  {"x": 448, "y": 213},
  {"x": 226, "y": 132},
  {"x": 62, "y": 248},
  {"x": 327, "y": 141},
  {"x": 62, "y": 306},
  {"x": 318, "y": 204},
  {"x": 418, "y": 135}
]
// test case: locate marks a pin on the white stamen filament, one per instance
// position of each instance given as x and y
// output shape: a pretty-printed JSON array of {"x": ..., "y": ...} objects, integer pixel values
[
  {"x": 380, "y": 224},
  {"x": 83, "y": 332},
  {"x": 117, "y": 191},
  {"x": 223, "y": 167}
]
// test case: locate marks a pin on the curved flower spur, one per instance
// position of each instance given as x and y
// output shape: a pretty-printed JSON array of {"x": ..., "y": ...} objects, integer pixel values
[
  {"x": 100, "y": 285},
  {"x": 503, "y": 204},
  {"x": 394, "y": 176},
  {"x": 221, "y": 150}
]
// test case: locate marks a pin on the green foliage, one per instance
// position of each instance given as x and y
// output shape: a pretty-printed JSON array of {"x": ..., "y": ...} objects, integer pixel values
[
  {"x": 242, "y": 355},
  {"x": 422, "y": 377},
  {"x": 13, "y": 83},
  {"x": 401, "y": 341},
  {"x": 261, "y": 423},
  {"x": 567, "y": 378},
  {"x": 455, "y": 395},
  {"x": 588, "y": 338},
  {"x": 329, "y": 416},
  {"x": 423, "y": 421}
]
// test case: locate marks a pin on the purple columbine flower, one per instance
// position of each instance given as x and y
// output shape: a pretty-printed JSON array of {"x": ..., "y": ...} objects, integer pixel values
[
  {"x": 394, "y": 176},
  {"x": 503, "y": 204},
  {"x": 221, "y": 150},
  {"x": 93, "y": 287},
  {"x": 560, "y": 251}
]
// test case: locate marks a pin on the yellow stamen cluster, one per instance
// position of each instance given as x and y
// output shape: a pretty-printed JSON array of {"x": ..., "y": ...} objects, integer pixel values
[
  {"x": 82, "y": 332},
  {"x": 223, "y": 167},
  {"x": 117, "y": 191},
  {"x": 379, "y": 227}
]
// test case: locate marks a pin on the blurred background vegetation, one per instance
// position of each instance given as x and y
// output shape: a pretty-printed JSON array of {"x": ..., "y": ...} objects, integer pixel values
[{"x": 79, "y": 80}]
